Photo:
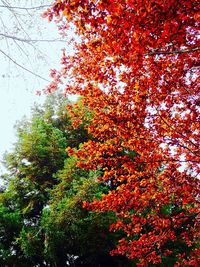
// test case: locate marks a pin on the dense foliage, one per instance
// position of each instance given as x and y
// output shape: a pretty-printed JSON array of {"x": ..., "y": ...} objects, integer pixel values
[
  {"x": 42, "y": 221},
  {"x": 136, "y": 66}
]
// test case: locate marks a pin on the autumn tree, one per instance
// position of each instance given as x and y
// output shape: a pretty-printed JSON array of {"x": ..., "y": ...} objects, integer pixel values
[{"x": 136, "y": 66}]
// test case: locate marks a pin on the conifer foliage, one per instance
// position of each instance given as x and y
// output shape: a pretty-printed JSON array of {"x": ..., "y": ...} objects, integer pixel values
[{"x": 42, "y": 221}]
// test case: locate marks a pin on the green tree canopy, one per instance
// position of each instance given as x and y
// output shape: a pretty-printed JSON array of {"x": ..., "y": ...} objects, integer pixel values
[{"x": 42, "y": 221}]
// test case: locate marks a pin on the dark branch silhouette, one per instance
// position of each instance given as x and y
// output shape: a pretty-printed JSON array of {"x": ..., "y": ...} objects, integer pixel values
[{"x": 173, "y": 52}]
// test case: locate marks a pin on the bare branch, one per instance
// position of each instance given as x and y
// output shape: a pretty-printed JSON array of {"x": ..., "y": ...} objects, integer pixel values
[
  {"x": 16, "y": 17},
  {"x": 30, "y": 40},
  {"x": 22, "y": 67},
  {"x": 25, "y": 8}
]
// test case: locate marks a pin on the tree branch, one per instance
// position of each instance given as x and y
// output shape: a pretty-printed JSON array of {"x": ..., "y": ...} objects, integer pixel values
[
  {"x": 22, "y": 67},
  {"x": 173, "y": 52},
  {"x": 30, "y": 40},
  {"x": 25, "y": 8},
  {"x": 176, "y": 131}
]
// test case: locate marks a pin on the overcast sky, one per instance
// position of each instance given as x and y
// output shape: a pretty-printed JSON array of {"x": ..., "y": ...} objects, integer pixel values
[{"x": 18, "y": 87}]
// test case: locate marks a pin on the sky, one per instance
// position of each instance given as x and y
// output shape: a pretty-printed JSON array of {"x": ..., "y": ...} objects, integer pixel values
[{"x": 17, "y": 86}]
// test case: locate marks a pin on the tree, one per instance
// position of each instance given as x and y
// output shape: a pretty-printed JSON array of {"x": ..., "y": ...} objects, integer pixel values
[
  {"x": 42, "y": 221},
  {"x": 37, "y": 155},
  {"x": 24, "y": 41},
  {"x": 136, "y": 67},
  {"x": 73, "y": 234}
]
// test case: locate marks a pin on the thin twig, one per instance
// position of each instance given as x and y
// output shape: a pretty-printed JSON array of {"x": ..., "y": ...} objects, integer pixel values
[
  {"x": 22, "y": 67},
  {"x": 16, "y": 17},
  {"x": 25, "y": 8},
  {"x": 171, "y": 127}
]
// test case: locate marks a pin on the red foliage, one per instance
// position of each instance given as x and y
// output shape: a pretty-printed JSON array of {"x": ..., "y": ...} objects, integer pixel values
[{"x": 136, "y": 67}]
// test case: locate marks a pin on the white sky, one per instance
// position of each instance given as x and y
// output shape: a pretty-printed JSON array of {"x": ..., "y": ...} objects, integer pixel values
[{"x": 18, "y": 87}]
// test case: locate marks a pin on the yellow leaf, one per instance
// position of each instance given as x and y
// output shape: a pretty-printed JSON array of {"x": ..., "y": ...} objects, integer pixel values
[{"x": 98, "y": 49}]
